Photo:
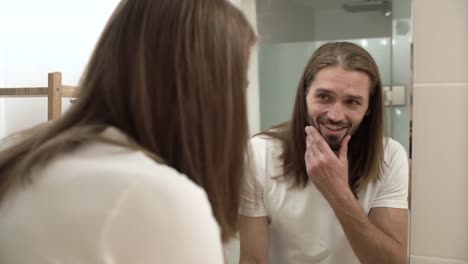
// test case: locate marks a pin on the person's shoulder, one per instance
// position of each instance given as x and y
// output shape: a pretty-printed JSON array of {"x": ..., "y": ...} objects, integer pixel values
[
  {"x": 393, "y": 148},
  {"x": 395, "y": 160},
  {"x": 111, "y": 175},
  {"x": 167, "y": 204},
  {"x": 266, "y": 140},
  {"x": 113, "y": 166},
  {"x": 139, "y": 200},
  {"x": 261, "y": 140}
]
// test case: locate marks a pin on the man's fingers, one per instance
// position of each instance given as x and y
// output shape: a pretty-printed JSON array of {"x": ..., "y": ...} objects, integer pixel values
[
  {"x": 319, "y": 141},
  {"x": 313, "y": 147},
  {"x": 344, "y": 148},
  {"x": 307, "y": 161}
]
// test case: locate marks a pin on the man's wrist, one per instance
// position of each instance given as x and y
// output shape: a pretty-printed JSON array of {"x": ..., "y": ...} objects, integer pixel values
[{"x": 341, "y": 198}]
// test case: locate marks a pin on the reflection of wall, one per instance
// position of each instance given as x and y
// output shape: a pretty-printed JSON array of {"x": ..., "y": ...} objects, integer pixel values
[
  {"x": 299, "y": 21},
  {"x": 401, "y": 61},
  {"x": 344, "y": 25},
  {"x": 282, "y": 64},
  {"x": 249, "y": 9},
  {"x": 280, "y": 68},
  {"x": 439, "y": 226}
]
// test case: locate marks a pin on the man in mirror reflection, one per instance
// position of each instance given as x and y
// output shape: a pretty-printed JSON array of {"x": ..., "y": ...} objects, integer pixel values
[{"x": 326, "y": 186}]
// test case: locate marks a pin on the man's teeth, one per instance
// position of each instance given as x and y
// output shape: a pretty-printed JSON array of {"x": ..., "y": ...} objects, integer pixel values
[{"x": 333, "y": 127}]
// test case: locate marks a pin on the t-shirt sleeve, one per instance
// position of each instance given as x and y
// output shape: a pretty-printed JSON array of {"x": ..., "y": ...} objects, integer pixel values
[
  {"x": 252, "y": 200},
  {"x": 394, "y": 190},
  {"x": 155, "y": 222}
]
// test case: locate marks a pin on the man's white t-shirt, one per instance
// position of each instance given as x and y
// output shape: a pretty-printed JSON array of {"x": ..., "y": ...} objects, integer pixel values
[
  {"x": 303, "y": 227},
  {"x": 105, "y": 204}
]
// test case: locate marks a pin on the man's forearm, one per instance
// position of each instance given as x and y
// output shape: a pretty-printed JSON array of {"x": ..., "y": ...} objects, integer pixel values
[{"x": 369, "y": 243}]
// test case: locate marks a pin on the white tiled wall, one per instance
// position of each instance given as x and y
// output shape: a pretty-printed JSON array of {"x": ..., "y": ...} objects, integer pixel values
[
  {"x": 441, "y": 38},
  {"x": 439, "y": 225}
]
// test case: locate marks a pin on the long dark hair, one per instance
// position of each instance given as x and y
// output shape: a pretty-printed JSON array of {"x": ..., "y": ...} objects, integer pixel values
[{"x": 172, "y": 75}]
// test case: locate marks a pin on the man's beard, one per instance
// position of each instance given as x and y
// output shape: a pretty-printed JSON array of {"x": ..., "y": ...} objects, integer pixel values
[{"x": 333, "y": 141}]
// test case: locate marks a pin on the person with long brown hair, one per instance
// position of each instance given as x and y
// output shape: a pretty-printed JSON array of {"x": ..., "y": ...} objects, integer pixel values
[
  {"x": 328, "y": 187},
  {"x": 147, "y": 165}
]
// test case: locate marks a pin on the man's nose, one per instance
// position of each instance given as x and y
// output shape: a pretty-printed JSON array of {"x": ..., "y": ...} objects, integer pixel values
[{"x": 336, "y": 113}]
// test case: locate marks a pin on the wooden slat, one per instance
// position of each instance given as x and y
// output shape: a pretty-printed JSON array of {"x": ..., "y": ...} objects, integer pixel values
[
  {"x": 24, "y": 92},
  {"x": 70, "y": 91},
  {"x": 54, "y": 92},
  {"x": 55, "y": 95}
]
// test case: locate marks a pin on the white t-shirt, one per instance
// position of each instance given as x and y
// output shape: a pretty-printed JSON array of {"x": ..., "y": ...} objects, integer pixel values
[
  {"x": 109, "y": 205},
  {"x": 303, "y": 227}
]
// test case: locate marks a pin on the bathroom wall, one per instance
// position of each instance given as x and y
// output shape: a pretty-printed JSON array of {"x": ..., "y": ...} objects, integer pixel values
[
  {"x": 439, "y": 227},
  {"x": 55, "y": 35},
  {"x": 38, "y": 37}
]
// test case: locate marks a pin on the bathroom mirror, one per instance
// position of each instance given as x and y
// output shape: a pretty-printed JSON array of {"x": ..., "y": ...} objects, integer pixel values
[{"x": 290, "y": 31}]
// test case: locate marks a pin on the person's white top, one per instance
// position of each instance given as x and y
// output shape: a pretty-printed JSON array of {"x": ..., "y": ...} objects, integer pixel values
[
  {"x": 109, "y": 205},
  {"x": 303, "y": 227}
]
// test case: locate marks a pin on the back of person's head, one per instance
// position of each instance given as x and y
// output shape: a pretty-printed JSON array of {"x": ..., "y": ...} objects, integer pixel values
[
  {"x": 172, "y": 75},
  {"x": 366, "y": 145}
]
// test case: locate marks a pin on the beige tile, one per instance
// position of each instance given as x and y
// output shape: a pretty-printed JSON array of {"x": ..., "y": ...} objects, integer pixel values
[
  {"x": 440, "y": 41},
  {"x": 439, "y": 226},
  {"x": 429, "y": 260}
]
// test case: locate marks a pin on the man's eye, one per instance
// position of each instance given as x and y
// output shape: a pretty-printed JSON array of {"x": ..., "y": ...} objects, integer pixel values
[
  {"x": 323, "y": 97},
  {"x": 354, "y": 102}
]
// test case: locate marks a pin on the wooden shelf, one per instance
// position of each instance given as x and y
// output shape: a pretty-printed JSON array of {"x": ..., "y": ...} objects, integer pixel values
[{"x": 54, "y": 92}]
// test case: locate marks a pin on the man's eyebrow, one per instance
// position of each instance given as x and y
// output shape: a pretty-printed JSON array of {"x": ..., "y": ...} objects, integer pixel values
[
  {"x": 323, "y": 90},
  {"x": 350, "y": 96},
  {"x": 355, "y": 97}
]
